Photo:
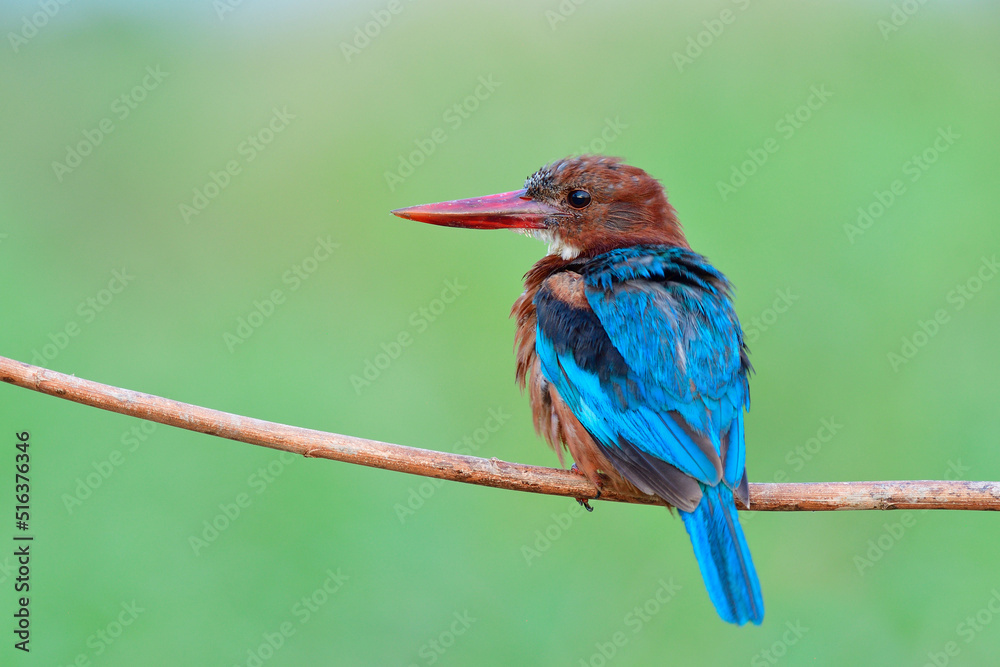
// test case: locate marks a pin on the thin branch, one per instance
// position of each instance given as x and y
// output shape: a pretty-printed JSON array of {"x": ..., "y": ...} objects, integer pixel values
[{"x": 473, "y": 470}]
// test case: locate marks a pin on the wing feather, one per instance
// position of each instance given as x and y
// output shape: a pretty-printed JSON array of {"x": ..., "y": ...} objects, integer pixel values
[{"x": 645, "y": 348}]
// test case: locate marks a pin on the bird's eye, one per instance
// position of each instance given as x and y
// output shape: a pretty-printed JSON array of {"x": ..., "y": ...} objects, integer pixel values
[{"x": 579, "y": 198}]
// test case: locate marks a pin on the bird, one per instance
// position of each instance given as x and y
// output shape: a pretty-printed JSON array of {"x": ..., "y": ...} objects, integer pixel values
[{"x": 631, "y": 352}]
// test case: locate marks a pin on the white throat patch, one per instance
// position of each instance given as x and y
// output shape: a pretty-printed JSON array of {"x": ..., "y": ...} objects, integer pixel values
[{"x": 557, "y": 246}]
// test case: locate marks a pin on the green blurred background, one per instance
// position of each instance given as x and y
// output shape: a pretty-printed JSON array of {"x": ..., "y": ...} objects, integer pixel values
[{"x": 332, "y": 564}]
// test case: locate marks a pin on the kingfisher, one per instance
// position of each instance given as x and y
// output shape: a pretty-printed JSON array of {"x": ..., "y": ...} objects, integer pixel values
[{"x": 631, "y": 352}]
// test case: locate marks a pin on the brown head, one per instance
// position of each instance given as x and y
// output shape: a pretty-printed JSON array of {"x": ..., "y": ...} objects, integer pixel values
[{"x": 580, "y": 206}]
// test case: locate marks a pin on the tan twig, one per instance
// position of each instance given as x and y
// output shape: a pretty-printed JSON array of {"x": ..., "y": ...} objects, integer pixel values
[{"x": 473, "y": 470}]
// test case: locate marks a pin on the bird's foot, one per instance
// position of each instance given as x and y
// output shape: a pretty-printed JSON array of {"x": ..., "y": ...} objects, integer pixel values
[{"x": 585, "y": 502}]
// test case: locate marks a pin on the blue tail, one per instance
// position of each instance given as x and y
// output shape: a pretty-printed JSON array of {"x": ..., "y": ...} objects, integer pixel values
[{"x": 724, "y": 557}]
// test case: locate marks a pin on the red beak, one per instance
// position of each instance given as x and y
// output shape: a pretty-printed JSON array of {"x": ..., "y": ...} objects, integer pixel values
[{"x": 507, "y": 210}]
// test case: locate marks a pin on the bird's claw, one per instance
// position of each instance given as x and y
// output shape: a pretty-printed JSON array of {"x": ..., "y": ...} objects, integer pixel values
[{"x": 585, "y": 502}]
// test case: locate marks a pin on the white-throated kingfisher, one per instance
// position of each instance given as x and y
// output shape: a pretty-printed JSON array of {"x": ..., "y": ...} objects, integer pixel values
[{"x": 631, "y": 351}]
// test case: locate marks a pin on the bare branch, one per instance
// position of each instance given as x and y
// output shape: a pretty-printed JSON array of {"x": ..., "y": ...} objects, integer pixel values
[{"x": 473, "y": 470}]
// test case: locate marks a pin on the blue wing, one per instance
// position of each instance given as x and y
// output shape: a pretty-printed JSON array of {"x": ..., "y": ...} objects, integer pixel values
[{"x": 652, "y": 364}]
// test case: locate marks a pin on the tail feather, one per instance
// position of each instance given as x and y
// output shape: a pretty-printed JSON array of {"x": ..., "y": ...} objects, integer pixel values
[{"x": 724, "y": 557}]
